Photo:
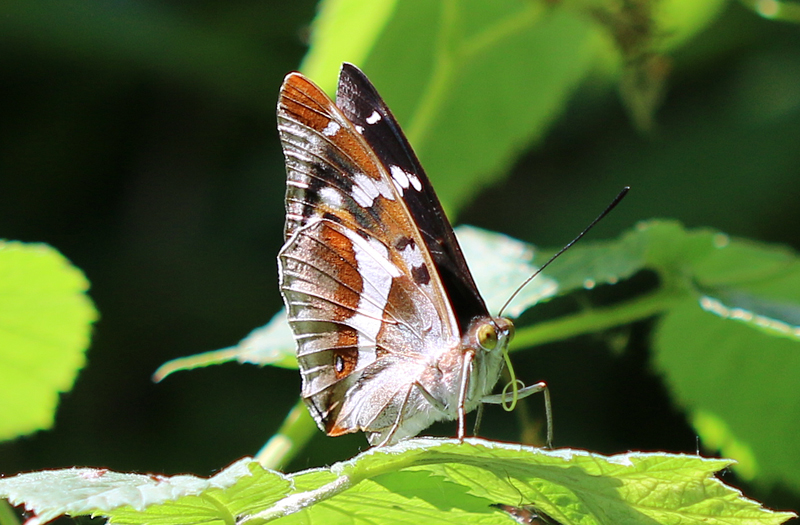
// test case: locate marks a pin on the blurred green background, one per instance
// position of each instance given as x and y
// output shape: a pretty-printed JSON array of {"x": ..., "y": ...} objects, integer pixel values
[{"x": 138, "y": 138}]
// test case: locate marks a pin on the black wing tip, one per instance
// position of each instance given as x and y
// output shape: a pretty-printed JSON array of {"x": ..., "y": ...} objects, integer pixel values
[
  {"x": 350, "y": 68},
  {"x": 351, "y": 74}
]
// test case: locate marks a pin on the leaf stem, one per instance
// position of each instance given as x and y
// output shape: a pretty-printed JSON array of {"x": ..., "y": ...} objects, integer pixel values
[
  {"x": 597, "y": 319},
  {"x": 223, "y": 513},
  {"x": 514, "y": 23},
  {"x": 299, "y": 501},
  {"x": 296, "y": 431}
]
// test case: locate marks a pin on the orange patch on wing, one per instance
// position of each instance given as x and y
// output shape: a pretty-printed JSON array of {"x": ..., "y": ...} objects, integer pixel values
[{"x": 341, "y": 248}]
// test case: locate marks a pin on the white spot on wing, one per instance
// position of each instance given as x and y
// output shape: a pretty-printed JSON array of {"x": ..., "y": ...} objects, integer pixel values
[
  {"x": 364, "y": 190},
  {"x": 331, "y": 129},
  {"x": 375, "y": 117},
  {"x": 385, "y": 189},
  {"x": 415, "y": 181},
  {"x": 412, "y": 256},
  {"x": 361, "y": 197},
  {"x": 400, "y": 177},
  {"x": 331, "y": 197},
  {"x": 360, "y": 129}
]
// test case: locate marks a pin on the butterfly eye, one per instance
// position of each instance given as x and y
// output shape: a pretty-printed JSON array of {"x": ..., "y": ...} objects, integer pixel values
[
  {"x": 505, "y": 325},
  {"x": 487, "y": 336}
]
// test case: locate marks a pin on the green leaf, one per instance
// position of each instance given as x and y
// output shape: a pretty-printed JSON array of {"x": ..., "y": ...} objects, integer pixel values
[
  {"x": 500, "y": 264},
  {"x": 271, "y": 344},
  {"x": 438, "y": 480},
  {"x": 431, "y": 62},
  {"x": 451, "y": 71},
  {"x": 727, "y": 344},
  {"x": 343, "y": 31},
  {"x": 136, "y": 498},
  {"x": 45, "y": 326},
  {"x": 739, "y": 384},
  {"x": 442, "y": 481}
]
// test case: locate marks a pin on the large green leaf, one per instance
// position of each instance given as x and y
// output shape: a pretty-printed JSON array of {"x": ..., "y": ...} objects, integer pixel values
[
  {"x": 45, "y": 324},
  {"x": 476, "y": 83},
  {"x": 435, "y": 480},
  {"x": 728, "y": 344},
  {"x": 739, "y": 384}
]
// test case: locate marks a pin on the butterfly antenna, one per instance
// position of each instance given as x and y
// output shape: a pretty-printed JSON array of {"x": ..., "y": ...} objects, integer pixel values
[{"x": 605, "y": 212}]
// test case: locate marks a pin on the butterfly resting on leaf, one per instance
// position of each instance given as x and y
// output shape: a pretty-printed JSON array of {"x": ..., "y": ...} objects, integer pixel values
[{"x": 391, "y": 331}]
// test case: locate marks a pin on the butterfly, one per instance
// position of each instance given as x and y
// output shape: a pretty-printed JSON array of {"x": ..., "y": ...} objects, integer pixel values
[{"x": 391, "y": 331}]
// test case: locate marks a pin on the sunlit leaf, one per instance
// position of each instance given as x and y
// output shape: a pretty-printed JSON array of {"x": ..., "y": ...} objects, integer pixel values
[
  {"x": 728, "y": 339},
  {"x": 500, "y": 265},
  {"x": 45, "y": 325},
  {"x": 140, "y": 498}
]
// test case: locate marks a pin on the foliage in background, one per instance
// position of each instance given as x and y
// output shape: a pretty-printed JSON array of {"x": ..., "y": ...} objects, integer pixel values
[{"x": 436, "y": 80}]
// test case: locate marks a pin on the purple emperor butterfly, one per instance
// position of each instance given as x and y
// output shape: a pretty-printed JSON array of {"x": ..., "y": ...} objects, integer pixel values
[{"x": 392, "y": 334}]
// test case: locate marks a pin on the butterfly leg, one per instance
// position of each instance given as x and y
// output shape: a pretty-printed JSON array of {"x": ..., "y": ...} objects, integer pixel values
[
  {"x": 435, "y": 403},
  {"x": 466, "y": 369},
  {"x": 478, "y": 419},
  {"x": 441, "y": 407},
  {"x": 498, "y": 399}
]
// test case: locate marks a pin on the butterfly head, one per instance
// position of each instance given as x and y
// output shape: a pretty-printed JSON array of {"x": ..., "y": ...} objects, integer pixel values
[{"x": 487, "y": 339}]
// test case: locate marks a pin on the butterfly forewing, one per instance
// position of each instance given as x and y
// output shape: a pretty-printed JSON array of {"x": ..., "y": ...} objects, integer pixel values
[{"x": 361, "y": 104}]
